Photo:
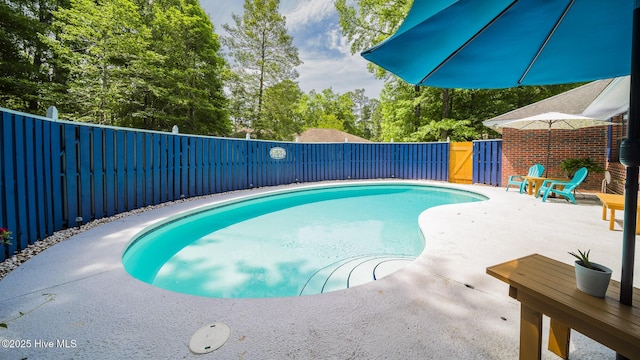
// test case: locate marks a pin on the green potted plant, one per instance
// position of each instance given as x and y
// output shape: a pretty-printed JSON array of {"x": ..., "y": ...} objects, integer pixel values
[
  {"x": 571, "y": 165},
  {"x": 591, "y": 278}
]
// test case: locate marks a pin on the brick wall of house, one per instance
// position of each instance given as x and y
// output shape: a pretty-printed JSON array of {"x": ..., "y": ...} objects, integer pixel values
[
  {"x": 523, "y": 148},
  {"x": 618, "y": 175}
]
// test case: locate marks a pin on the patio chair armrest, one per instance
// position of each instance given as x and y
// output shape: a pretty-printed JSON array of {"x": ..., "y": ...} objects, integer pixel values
[
  {"x": 546, "y": 183},
  {"x": 552, "y": 183}
]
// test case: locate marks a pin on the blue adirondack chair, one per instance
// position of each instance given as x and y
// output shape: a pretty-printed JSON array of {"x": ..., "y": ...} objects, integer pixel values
[
  {"x": 520, "y": 182},
  {"x": 548, "y": 186}
]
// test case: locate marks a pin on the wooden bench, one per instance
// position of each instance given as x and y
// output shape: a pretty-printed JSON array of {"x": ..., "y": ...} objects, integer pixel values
[
  {"x": 546, "y": 286},
  {"x": 613, "y": 202}
]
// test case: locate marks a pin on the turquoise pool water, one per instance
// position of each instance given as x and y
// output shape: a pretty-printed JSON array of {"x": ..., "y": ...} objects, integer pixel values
[{"x": 272, "y": 245}]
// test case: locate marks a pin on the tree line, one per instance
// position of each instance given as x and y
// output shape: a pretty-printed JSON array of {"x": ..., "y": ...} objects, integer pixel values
[
  {"x": 154, "y": 64},
  {"x": 136, "y": 63}
]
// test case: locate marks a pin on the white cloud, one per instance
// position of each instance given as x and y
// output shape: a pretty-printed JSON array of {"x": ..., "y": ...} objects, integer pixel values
[
  {"x": 338, "y": 42},
  {"x": 342, "y": 74},
  {"x": 328, "y": 62},
  {"x": 307, "y": 12}
]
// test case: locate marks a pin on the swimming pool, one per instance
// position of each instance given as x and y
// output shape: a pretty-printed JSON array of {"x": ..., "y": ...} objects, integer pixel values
[{"x": 288, "y": 243}]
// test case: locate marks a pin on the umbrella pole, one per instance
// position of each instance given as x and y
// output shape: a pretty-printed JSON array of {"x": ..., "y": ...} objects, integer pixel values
[
  {"x": 546, "y": 169},
  {"x": 630, "y": 157}
]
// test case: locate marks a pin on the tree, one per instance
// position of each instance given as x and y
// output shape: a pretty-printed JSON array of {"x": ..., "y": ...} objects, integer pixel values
[
  {"x": 184, "y": 85},
  {"x": 100, "y": 46},
  {"x": 363, "y": 108},
  {"x": 146, "y": 64},
  {"x": 408, "y": 116},
  {"x": 17, "y": 31},
  {"x": 376, "y": 120},
  {"x": 280, "y": 120},
  {"x": 328, "y": 110},
  {"x": 263, "y": 56},
  {"x": 25, "y": 63},
  {"x": 240, "y": 102},
  {"x": 397, "y": 104},
  {"x": 370, "y": 22}
]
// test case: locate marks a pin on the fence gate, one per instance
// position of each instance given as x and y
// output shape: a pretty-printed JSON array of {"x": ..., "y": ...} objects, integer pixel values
[{"x": 461, "y": 162}]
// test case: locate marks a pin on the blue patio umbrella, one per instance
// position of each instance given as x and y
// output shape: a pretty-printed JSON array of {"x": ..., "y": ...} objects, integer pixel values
[{"x": 508, "y": 43}]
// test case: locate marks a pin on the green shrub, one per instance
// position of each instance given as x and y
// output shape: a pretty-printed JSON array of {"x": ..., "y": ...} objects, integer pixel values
[{"x": 571, "y": 165}]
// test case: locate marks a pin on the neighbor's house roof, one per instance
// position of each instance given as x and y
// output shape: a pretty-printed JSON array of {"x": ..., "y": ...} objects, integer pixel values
[
  {"x": 328, "y": 135},
  {"x": 574, "y": 101},
  {"x": 601, "y": 99}
]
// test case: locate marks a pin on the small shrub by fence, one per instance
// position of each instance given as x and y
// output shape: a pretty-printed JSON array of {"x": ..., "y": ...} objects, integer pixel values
[{"x": 55, "y": 172}]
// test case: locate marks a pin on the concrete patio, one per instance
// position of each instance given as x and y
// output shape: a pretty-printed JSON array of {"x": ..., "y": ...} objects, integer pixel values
[{"x": 441, "y": 306}]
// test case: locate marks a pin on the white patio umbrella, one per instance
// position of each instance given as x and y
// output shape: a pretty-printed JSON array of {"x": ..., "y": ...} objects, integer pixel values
[{"x": 549, "y": 121}]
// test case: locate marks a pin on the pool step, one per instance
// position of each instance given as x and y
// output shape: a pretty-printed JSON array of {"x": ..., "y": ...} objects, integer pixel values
[{"x": 354, "y": 271}]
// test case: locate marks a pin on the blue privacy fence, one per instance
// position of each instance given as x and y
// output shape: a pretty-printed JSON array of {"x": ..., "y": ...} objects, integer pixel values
[
  {"x": 58, "y": 174},
  {"x": 487, "y": 162}
]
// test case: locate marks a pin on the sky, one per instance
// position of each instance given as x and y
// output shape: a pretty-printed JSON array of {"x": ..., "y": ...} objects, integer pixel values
[{"x": 326, "y": 55}]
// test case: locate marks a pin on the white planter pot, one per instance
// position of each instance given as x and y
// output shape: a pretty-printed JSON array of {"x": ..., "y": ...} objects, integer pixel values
[{"x": 593, "y": 282}]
